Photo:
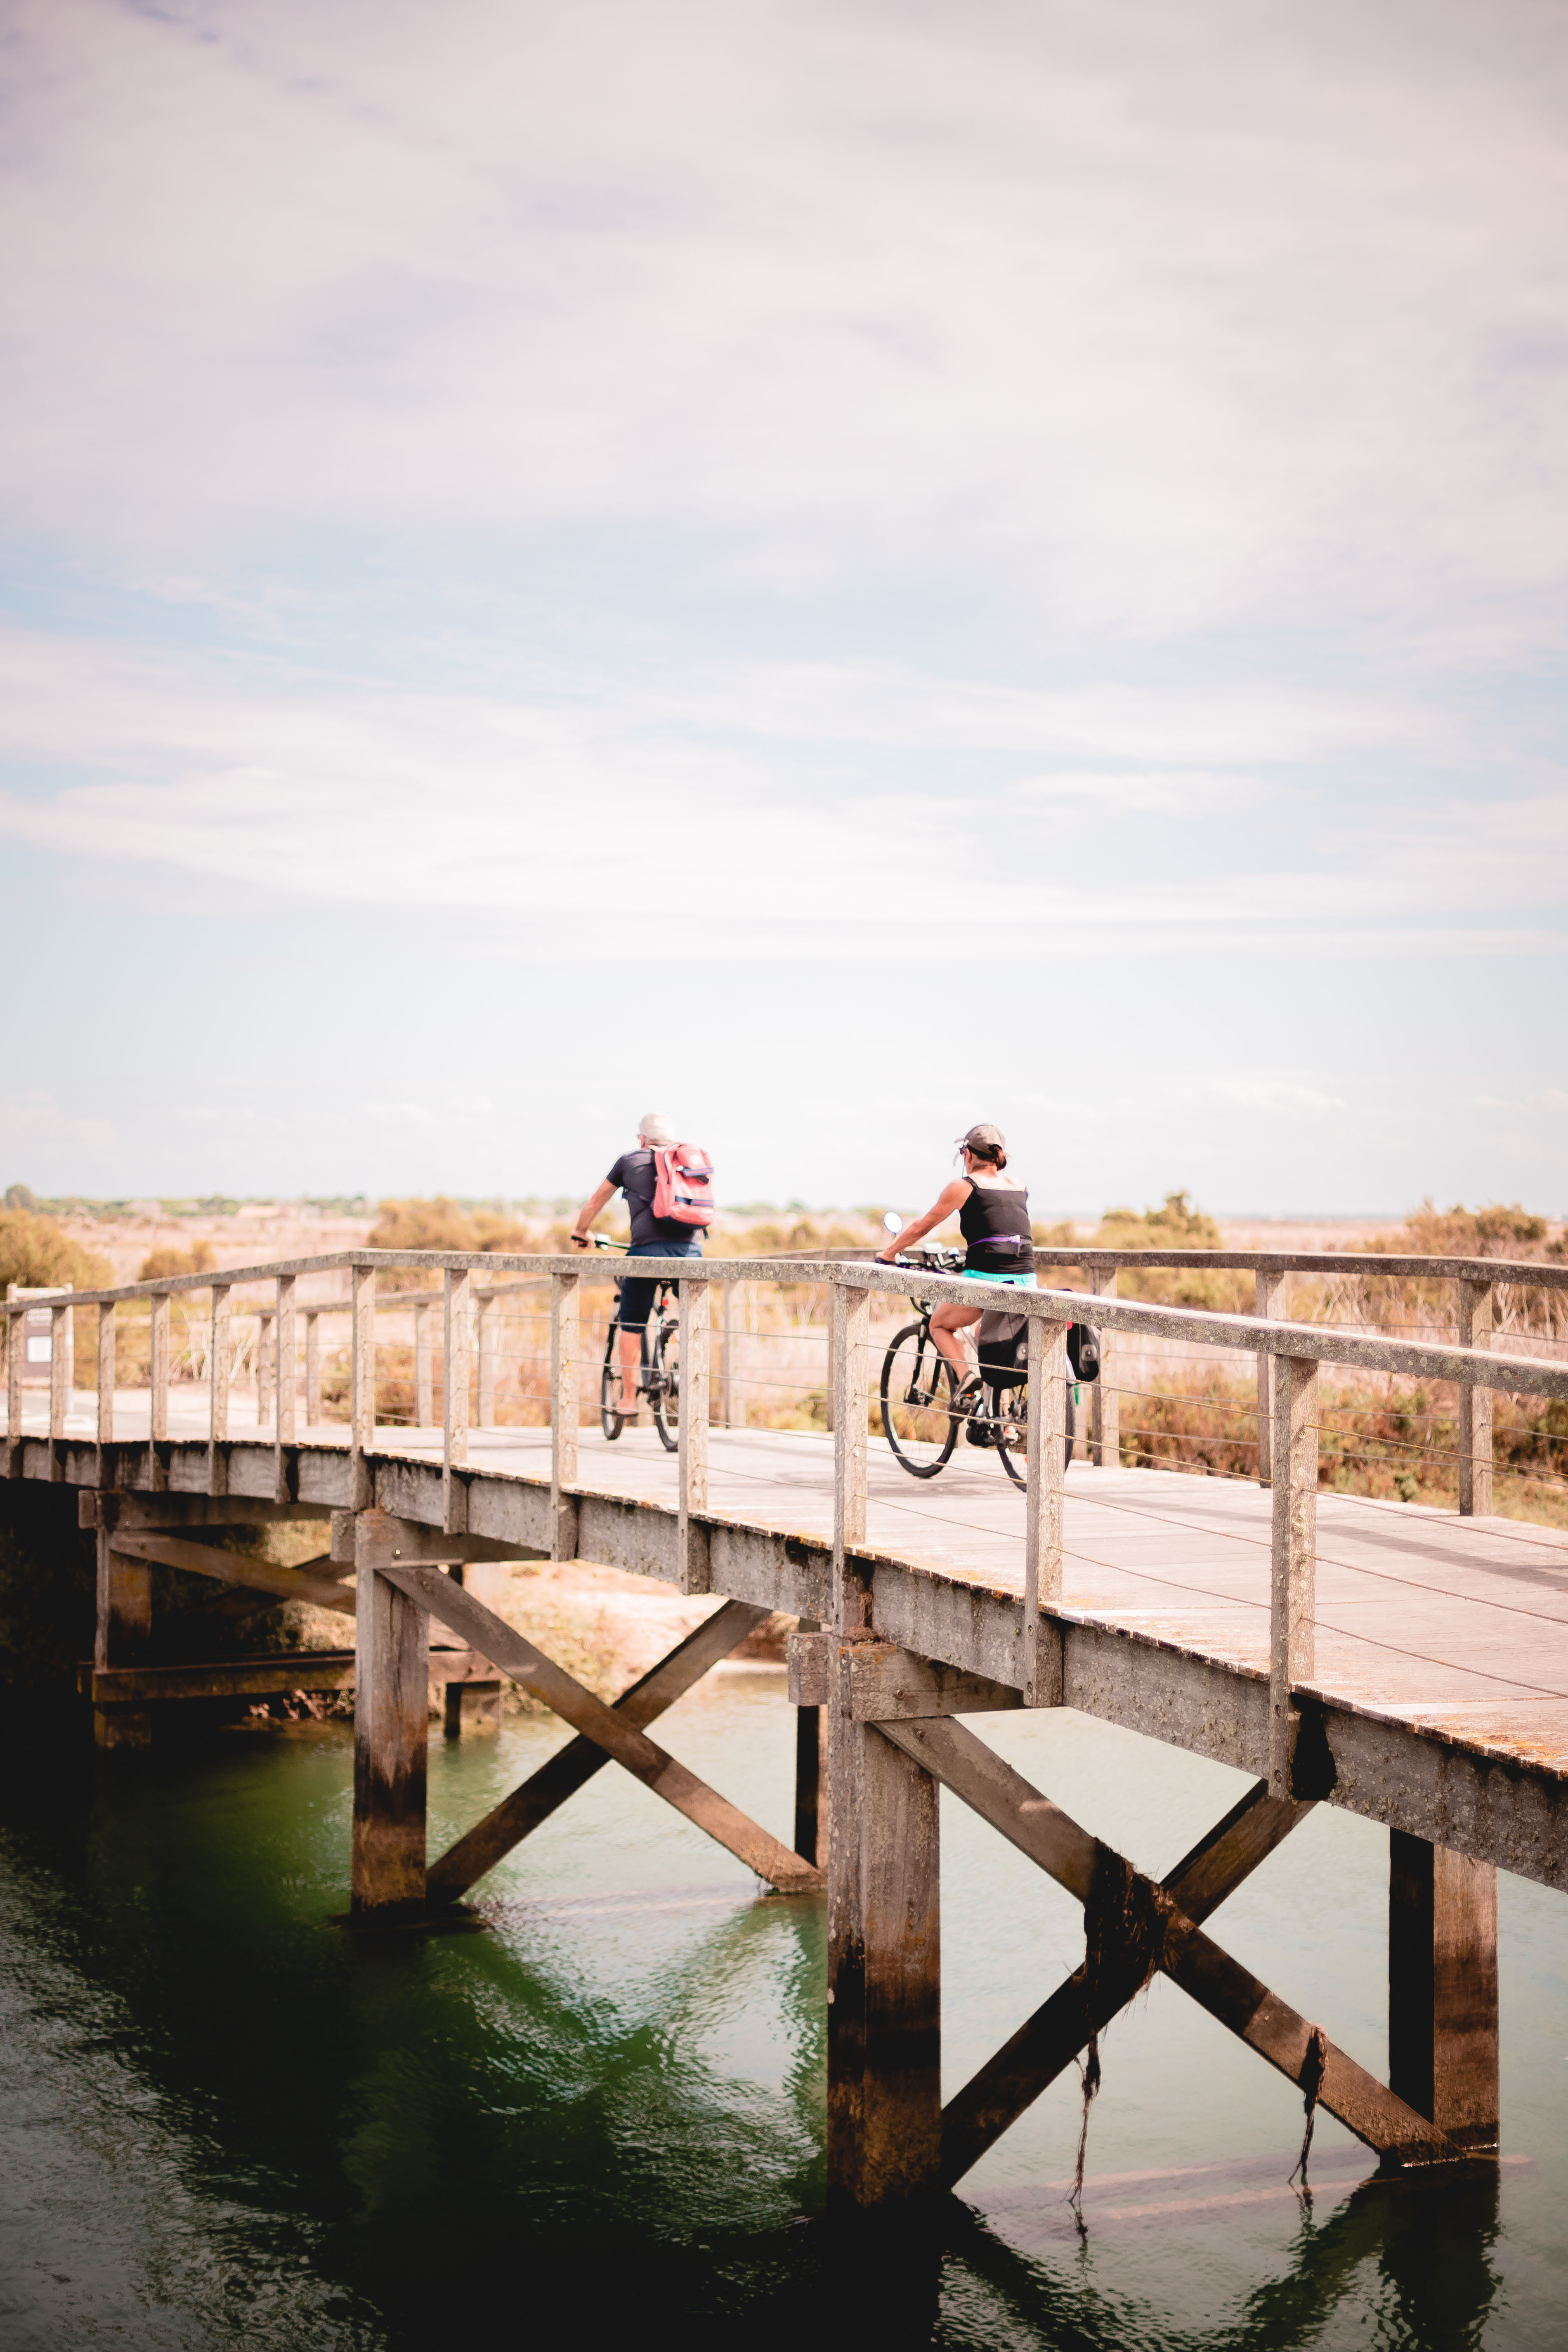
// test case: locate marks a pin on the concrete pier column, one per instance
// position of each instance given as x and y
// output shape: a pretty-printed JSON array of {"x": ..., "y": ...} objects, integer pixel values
[
  {"x": 884, "y": 1973},
  {"x": 1443, "y": 1987},
  {"x": 124, "y": 1634},
  {"x": 391, "y": 1699}
]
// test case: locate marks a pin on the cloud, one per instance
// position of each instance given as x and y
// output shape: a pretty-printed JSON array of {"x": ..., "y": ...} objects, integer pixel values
[
  {"x": 1277, "y": 1098},
  {"x": 33, "y": 1127},
  {"x": 334, "y": 789},
  {"x": 1169, "y": 317}
]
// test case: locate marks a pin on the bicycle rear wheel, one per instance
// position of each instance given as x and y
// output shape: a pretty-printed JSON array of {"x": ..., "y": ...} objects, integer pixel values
[
  {"x": 1013, "y": 1431},
  {"x": 664, "y": 1385},
  {"x": 917, "y": 1401}
]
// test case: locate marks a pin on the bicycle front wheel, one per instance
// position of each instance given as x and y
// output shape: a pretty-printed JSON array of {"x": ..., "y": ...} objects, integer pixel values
[
  {"x": 917, "y": 1401},
  {"x": 664, "y": 1386}
]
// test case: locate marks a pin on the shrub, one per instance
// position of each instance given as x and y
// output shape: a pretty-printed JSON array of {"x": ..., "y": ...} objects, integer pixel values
[
  {"x": 1427, "y": 1308},
  {"x": 36, "y": 1254},
  {"x": 1458, "y": 1232},
  {"x": 1175, "y": 1225},
  {"x": 441, "y": 1224},
  {"x": 160, "y": 1262}
]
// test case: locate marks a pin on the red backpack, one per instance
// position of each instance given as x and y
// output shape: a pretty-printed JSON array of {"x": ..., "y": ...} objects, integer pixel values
[{"x": 683, "y": 1185}]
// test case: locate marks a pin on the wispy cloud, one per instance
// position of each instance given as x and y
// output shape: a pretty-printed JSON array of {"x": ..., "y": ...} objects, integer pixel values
[
  {"x": 1277, "y": 1098},
  {"x": 322, "y": 788},
  {"x": 1172, "y": 316},
  {"x": 1021, "y": 499}
]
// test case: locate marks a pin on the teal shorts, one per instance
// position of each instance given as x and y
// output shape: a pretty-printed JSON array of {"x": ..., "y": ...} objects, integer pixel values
[{"x": 1011, "y": 1281}]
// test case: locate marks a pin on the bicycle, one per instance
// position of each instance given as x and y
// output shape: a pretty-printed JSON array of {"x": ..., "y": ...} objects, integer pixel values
[
  {"x": 659, "y": 1376},
  {"x": 924, "y": 1405}
]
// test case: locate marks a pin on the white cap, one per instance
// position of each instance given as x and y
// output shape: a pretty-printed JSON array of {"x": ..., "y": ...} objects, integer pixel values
[{"x": 655, "y": 1127}]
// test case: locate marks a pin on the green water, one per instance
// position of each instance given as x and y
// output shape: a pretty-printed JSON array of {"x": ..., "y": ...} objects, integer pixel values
[{"x": 223, "y": 2121}]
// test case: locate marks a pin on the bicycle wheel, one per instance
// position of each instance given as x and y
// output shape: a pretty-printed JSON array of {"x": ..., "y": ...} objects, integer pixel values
[
  {"x": 1013, "y": 1431},
  {"x": 664, "y": 1385},
  {"x": 610, "y": 1419},
  {"x": 917, "y": 1401}
]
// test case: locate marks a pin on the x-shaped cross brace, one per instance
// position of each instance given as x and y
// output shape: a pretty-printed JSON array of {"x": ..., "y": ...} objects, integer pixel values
[
  {"x": 614, "y": 1731},
  {"x": 1052, "y": 2037}
]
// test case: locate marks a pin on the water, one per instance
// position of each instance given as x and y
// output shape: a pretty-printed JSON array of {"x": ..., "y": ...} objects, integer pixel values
[{"x": 226, "y": 2122}]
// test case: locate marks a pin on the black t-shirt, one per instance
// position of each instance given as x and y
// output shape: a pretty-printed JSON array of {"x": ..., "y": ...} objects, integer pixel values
[{"x": 633, "y": 1174}]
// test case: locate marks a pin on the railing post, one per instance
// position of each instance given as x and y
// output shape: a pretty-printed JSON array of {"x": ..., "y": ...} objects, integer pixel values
[
  {"x": 1293, "y": 1595},
  {"x": 264, "y": 1383},
  {"x": 423, "y": 1369},
  {"x": 103, "y": 1473},
  {"x": 486, "y": 1313},
  {"x": 832, "y": 1367},
  {"x": 1041, "y": 1658},
  {"x": 218, "y": 1368},
  {"x": 105, "y": 1381},
  {"x": 312, "y": 1367},
  {"x": 158, "y": 1368},
  {"x": 59, "y": 1385},
  {"x": 692, "y": 1541},
  {"x": 1476, "y": 1311},
  {"x": 15, "y": 1354},
  {"x": 852, "y": 1343},
  {"x": 1104, "y": 1404},
  {"x": 456, "y": 1345},
  {"x": 1269, "y": 1296},
  {"x": 727, "y": 1366},
  {"x": 285, "y": 1367},
  {"x": 362, "y": 1384},
  {"x": 565, "y": 1309}
]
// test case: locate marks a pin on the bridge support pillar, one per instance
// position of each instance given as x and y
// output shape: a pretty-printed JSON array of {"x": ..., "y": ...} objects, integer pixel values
[
  {"x": 1443, "y": 1987},
  {"x": 392, "y": 1699},
  {"x": 122, "y": 1638},
  {"x": 884, "y": 1972},
  {"x": 810, "y": 1776},
  {"x": 471, "y": 1706}
]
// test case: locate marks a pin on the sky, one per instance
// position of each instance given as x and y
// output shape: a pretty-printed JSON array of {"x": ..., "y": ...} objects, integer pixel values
[{"x": 834, "y": 570}]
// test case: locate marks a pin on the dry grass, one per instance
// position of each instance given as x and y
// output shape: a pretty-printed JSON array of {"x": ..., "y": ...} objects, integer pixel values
[{"x": 1391, "y": 1440}]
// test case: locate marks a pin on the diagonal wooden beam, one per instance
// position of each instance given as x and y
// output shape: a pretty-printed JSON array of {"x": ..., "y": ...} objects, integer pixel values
[
  {"x": 1217, "y": 1983},
  {"x": 239, "y": 1568},
  {"x": 572, "y": 1767},
  {"x": 1059, "y": 2030},
  {"x": 516, "y": 1656}
]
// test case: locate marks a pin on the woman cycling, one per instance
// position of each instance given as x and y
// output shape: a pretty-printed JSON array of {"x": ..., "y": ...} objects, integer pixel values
[{"x": 994, "y": 1218}]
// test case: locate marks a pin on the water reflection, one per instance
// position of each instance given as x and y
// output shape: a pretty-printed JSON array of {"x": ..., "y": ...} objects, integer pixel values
[
  {"x": 1419, "y": 2249},
  {"x": 235, "y": 2123}
]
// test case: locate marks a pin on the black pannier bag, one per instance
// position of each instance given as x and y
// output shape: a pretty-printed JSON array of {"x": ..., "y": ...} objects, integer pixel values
[{"x": 1003, "y": 1341}]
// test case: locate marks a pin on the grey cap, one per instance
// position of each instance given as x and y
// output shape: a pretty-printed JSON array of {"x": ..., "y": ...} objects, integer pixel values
[
  {"x": 986, "y": 1142},
  {"x": 655, "y": 1127}
]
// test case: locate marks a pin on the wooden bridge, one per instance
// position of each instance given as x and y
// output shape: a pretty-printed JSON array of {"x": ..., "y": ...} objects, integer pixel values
[{"x": 1409, "y": 1664}]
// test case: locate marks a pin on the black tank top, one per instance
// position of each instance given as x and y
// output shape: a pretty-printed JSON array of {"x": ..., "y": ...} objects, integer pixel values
[{"x": 995, "y": 1225}]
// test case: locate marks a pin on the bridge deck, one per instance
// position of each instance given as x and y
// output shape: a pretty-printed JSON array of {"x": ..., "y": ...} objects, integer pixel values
[{"x": 1454, "y": 1626}]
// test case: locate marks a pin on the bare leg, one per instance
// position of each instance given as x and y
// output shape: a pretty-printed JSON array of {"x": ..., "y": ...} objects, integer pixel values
[
  {"x": 631, "y": 1364},
  {"x": 946, "y": 1325}
]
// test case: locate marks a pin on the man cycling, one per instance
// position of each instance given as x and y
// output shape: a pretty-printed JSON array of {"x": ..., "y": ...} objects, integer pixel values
[{"x": 633, "y": 1175}]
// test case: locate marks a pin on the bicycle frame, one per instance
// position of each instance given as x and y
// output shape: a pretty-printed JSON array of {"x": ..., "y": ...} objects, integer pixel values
[{"x": 991, "y": 1383}]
